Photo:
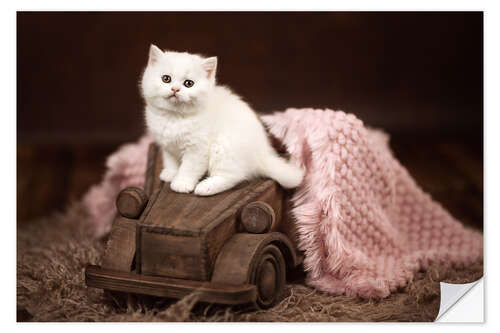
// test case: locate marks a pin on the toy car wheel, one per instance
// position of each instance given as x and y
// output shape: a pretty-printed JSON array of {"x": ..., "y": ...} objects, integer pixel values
[
  {"x": 269, "y": 275},
  {"x": 131, "y": 201}
]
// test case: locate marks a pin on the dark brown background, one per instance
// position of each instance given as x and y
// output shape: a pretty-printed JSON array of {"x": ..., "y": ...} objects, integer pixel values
[
  {"x": 78, "y": 73},
  {"x": 417, "y": 75}
]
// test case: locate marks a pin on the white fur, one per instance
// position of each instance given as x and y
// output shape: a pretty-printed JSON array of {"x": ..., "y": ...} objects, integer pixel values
[{"x": 206, "y": 129}]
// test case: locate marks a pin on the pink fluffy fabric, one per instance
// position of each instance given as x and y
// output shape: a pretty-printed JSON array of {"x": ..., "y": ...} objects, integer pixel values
[{"x": 364, "y": 225}]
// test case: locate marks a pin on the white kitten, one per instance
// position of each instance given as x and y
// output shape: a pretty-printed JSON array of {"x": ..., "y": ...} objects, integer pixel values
[{"x": 203, "y": 128}]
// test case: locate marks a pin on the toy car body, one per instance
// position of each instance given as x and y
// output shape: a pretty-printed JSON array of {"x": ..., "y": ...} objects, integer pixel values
[{"x": 232, "y": 248}]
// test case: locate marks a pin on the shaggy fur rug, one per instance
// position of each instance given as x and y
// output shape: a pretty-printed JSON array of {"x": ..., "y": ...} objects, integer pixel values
[{"x": 52, "y": 254}]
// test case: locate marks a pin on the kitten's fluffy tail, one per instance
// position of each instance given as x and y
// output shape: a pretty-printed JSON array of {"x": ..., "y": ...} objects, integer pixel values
[{"x": 285, "y": 173}]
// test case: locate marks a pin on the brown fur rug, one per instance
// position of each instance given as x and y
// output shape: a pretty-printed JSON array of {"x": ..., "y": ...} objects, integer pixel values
[{"x": 52, "y": 253}]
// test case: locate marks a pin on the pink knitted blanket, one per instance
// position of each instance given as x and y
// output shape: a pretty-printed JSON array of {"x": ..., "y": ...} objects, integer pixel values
[{"x": 364, "y": 225}]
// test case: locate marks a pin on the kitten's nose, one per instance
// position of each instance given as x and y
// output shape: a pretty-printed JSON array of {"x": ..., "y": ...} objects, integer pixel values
[{"x": 175, "y": 90}]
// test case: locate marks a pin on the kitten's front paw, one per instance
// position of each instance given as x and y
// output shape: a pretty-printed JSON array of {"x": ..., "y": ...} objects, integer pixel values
[
  {"x": 182, "y": 185},
  {"x": 210, "y": 186},
  {"x": 204, "y": 189},
  {"x": 167, "y": 175}
]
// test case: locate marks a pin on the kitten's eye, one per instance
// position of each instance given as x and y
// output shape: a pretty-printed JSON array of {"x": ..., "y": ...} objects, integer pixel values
[
  {"x": 188, "y": 83},
  {"x": 166, "y": 78}
]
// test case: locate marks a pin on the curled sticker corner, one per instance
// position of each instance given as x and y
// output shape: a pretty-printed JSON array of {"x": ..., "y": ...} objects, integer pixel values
[{"x": 451, "y": 293}]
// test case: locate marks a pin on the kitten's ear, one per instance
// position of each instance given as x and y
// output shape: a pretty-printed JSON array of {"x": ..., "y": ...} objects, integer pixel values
[
  {"x": 154, "y": 54},
  {"x": 210, "y": 65}
]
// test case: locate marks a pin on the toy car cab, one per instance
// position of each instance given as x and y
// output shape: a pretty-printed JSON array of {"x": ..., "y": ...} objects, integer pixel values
[{"x": 234, "y": 247}]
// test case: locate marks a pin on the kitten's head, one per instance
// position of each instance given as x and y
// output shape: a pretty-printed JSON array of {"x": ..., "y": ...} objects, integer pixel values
[{"x": 176, "y": 81}]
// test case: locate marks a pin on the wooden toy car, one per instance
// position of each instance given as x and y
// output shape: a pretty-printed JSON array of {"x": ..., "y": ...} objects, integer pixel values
[{"x": 234, "y": 247}]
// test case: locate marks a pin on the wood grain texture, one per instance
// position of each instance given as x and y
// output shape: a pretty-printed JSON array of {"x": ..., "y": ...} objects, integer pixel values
[
  {"x": 171, "y": 255},
  {"x": 259, "y": 259},
  {"x": 149, "y": 206},
  {"x": 151, "y": 169},
  {"x": 237, "y": 260},
  {"x": 257, "y": 217},
  {"x": 120, "y": 248},
  {"x": 130, "y": 202},
  {"x": 191, "y": 214},
  {"x": 269, "y": 275},
  {"x": 211, "y": 220},
  {"x": 130, "y": 282}
]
